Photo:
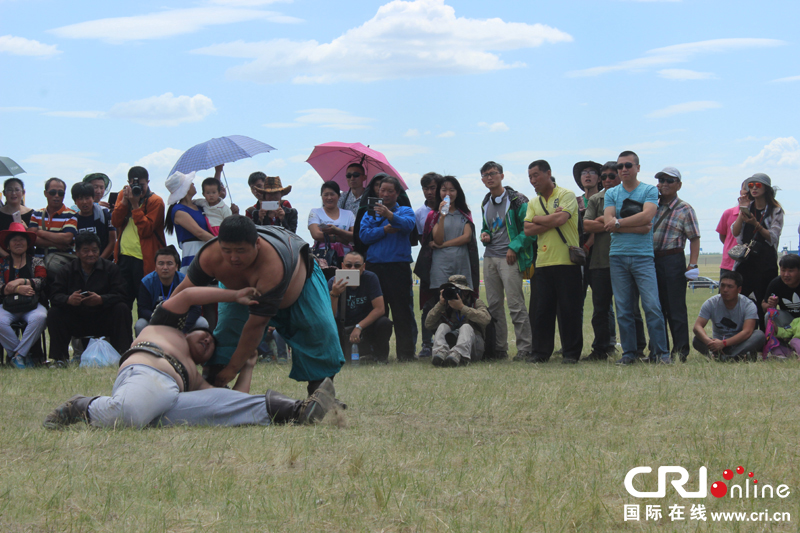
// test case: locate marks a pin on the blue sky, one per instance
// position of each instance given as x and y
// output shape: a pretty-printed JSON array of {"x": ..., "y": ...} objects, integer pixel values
[{"x": 710, "y": 87}]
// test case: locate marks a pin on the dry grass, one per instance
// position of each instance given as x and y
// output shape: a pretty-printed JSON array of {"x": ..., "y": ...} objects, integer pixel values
[{"x": 492, "y": 447}]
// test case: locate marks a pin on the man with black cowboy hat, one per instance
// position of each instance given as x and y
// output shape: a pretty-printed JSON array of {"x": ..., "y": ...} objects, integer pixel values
[
  {"x": 270, "y": 189},
  {"x": 459, "y": 320}
]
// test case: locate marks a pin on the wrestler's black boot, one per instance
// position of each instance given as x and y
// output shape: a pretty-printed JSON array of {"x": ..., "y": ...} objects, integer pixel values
[
  {"x": 74, "y": 410},
  {"x": 283, "y": 409}
]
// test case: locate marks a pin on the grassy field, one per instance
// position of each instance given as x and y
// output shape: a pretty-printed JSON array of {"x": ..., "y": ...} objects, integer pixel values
[{"x": 491, "y": 447}]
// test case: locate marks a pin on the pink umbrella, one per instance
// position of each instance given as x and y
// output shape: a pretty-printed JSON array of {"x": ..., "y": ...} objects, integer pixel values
[{"x": 330, "y": 160}]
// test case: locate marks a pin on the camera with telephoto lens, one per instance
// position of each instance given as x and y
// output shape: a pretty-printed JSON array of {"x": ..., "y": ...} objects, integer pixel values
[
  {"x": 450, "y": 292},
  {"x": 136, "y": 189}
]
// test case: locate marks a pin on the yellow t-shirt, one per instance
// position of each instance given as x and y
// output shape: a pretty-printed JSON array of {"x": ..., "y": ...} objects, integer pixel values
[
  {"x": 552, "y": 250},
  {"x": 129, "y": 242}
]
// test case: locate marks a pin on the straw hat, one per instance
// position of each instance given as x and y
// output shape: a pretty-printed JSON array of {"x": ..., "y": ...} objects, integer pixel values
[
  {"x": 178, "y": 185},
  {"x": 273, "y": 184}
]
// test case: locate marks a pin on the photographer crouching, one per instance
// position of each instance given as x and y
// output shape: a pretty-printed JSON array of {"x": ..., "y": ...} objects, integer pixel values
[{"x": 459, "y": 321}]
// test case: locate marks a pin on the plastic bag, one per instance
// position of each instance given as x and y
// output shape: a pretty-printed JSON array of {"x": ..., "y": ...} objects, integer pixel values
[{"x": 99, "y": 353}]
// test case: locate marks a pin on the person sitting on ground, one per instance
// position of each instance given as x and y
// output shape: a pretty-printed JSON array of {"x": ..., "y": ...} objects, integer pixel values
[
  {"x": 459, "y": 320},
  {"x": 22, "y": 277},
  {"x": 733, "y": 319},
  {"x": 55, "y": 225},
  {"x": 365, "y": 322},
  {"x": 270, "y": 189},
  {"x": 294, "y": 298},
  {"x": 91, "y": 218},
  {"x": 783, "y": 294},
  {"x": 158, "y": 383},
  {"x": 158, "y": 286},
  {"x": 88, "y": 300},
  {"x": 212, "y": 205}
]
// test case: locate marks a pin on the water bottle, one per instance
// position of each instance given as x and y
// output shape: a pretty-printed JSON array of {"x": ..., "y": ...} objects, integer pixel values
[
  {"x": 446, "y": 208},
  {"x": 354, "y": 354}
]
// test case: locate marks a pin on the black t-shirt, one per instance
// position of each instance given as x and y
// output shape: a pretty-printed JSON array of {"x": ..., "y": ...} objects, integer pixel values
[
  {"x": 359, "y": 299},
  {"x": 788, "y": 298},
  {"x": 100, "y": 227}
]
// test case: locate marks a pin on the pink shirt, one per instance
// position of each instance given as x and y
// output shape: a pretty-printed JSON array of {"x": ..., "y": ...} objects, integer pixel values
[{"x": 724, "y": 229}]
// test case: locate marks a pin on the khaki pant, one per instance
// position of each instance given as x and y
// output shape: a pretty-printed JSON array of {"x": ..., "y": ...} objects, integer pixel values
[
  {"x": 468, "y": 346},
  {"x": 499, "y": 277}
]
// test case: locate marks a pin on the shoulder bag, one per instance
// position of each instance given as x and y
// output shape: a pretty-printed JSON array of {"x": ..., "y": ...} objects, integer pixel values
[{"x": 576, "y": 253}]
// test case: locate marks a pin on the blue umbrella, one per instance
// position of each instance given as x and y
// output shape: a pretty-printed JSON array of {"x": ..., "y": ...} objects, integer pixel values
[{"x": 218, "y": 151}]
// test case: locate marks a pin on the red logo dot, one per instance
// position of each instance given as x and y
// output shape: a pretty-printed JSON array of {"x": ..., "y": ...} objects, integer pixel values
[
  {"x": 740, "y": 470},
  {"x": 750, "y": 474},
  {"x": 727, "y": 474},
  {"x": 755, "y": 481},
  {"x": 719, "y": 489}
]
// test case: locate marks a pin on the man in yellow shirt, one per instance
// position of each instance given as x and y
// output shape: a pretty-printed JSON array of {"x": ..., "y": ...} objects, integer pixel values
[{"x": 553, "y": 218}]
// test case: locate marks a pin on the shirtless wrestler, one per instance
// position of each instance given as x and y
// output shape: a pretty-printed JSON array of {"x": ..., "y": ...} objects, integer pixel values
[
  {"x": 158, "y": 383},
  {"x": 294, "y": 298}
]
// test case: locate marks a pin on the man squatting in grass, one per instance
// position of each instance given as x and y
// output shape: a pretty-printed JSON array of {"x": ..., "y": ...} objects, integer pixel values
[
  {"x": 158, "y": 383},
  {"x": 293, "y": 298},
  {"x": 733, "y": 319}
]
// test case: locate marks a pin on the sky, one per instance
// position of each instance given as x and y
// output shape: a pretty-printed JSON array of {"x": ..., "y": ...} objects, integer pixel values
[{"x": 710, "y": 87}]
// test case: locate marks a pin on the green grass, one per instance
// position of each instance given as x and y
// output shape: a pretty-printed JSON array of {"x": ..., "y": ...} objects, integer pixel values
[{"x": 492, "y": 447}]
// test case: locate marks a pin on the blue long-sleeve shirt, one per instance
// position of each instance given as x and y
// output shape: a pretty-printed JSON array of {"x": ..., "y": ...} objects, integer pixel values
[{"x": 388, "y": 247}]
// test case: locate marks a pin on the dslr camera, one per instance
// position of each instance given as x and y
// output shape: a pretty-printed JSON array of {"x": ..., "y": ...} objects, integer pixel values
[
  {"x": 136, "y": 189},
  {"x": 450, "y": 292}
]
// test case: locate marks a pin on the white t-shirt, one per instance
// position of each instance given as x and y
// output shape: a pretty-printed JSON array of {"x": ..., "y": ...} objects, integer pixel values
[
  {"x": 421, "y": 214},
  {"x": 345, "y": 221},
  {"x": 215, "y": 213}
]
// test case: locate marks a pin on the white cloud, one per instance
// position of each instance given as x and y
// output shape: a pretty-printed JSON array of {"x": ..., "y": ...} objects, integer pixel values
[
  {"x": 494, "y": 127},
  {"x": 679, "y": 53},
  {"x": 326, "y": 118},
  {"x": 164, "y": 110},
  {"x": 687, "y": 107},
  {"x": 405, "y": 39},
  {"x": 278, "y": 125},
  {"x": 75, "y": 114},
  {"x": 392, "y": 151},
  {"x": 684, "y": 74},
  {"x": 165, "y": 159},
  {"x": 333, "y": 118},
  {"x": 447, "y": 134},
  {"x": 412, "y": 133},
  {"x": 596, "y": 154},
  {"x": 299, "y": 158},
  {"x": 20, "y": 46},
  {"x": 163, "y": 24},
  {"x": 275, "y": 163},
  {"x": 790, "y": 78},
  {"x": 19, "y": 109},
  {"x": 247, "y": 3},
  {"x": 783, "y": 151}
]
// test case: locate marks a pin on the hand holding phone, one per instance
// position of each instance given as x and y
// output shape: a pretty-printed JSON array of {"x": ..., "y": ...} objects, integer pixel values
[{"x": 270, "y": 205}]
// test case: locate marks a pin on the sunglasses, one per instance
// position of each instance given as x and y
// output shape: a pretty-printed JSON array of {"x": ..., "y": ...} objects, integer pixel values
[
  {"x": 353, "y": 175},
  {"x": 627, "y": 165},
  {"x": 56, "y": 192},
  {"x": 755, "y": 185},
  {"x": 353, "y": 265},
  {"x": 608, "y": 176},
  {"x": 668, "y": 181}
]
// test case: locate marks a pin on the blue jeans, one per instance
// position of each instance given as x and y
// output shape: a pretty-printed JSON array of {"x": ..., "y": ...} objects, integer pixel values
[
  {"x": 279, "y": 343},
  {"x": 627, "y": 274}
]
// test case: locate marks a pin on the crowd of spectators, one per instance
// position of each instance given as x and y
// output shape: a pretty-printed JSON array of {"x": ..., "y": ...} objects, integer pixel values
[{"x": 78, "y": 270}]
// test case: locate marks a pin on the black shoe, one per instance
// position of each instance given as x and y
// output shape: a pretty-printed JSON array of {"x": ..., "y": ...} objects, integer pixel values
[
  {"x": 569, "y": 361},
  {"x": 521, "y": 356},
  {"x": 626, "y": 361},
  {"x": 536, "y": 359},
  {"x": 596, "y": 356}
]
